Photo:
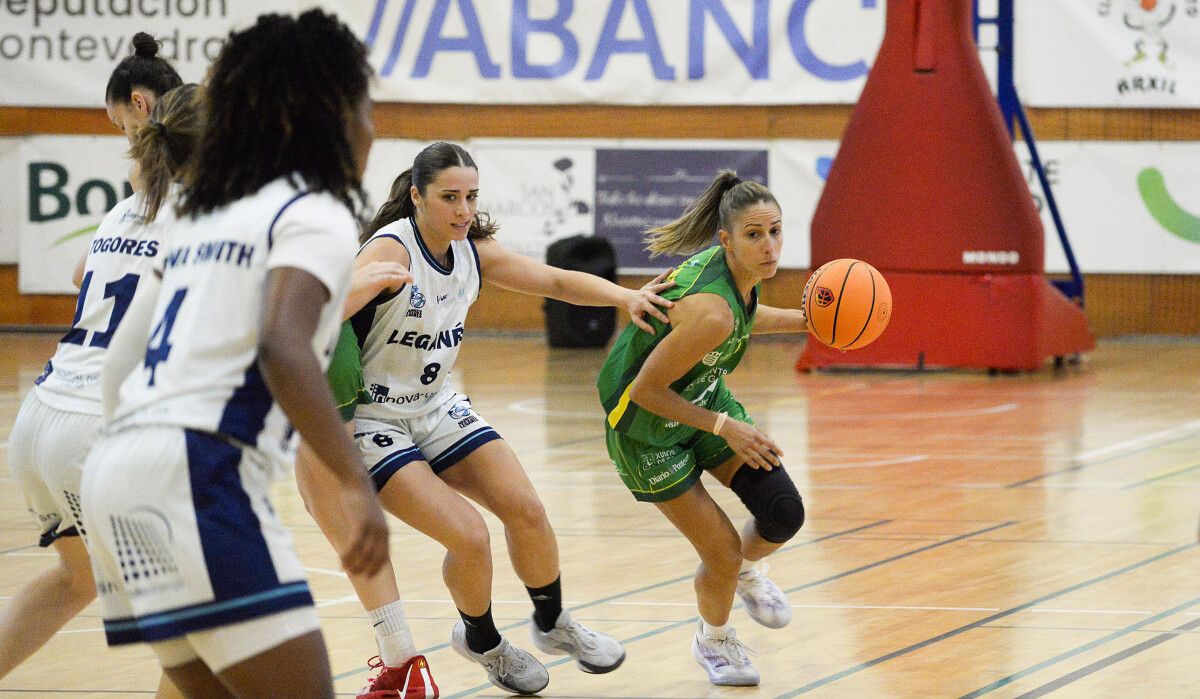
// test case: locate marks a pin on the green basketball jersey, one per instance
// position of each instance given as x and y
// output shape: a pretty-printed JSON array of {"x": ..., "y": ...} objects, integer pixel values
[{"x": 703, "y": 273}]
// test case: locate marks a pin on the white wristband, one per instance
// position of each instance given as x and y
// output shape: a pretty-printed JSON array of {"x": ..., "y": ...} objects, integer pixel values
[{"x": 721, "y": 418}]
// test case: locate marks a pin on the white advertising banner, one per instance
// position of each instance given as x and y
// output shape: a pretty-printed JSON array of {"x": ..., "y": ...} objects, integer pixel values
[
  {"x": 389, "y": 157},
  {"x": 537, "y": 192},
  {"x": 1128, "y": 207},
  {"x": 66, "y": 184},
  {"x": 61, "y": 52},
  {"x": 620, "y": 51},
  {"x": 10, "y": 198},
  {"x": 1108, "y": 53}
]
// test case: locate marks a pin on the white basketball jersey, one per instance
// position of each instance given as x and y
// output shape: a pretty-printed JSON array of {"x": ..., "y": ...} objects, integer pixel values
[
  {"x": 201, "y": 365},
  {"x": 410, "y": 340},
  {"x": 123, "y": 250}
]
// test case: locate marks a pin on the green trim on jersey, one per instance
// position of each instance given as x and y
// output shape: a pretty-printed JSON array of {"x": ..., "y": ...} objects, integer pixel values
[
  {"x": 346, "y": 375},
  {"x": 704, "y": 273}
]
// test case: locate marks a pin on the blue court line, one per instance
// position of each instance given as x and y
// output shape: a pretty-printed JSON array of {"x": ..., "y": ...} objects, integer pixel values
[
  {"x": 898, "y": 556},
  {"x": 1164, "y": 476},
  {"x": 1118, "y": 456},
  {"x": 19, "y": 548},
  {"x": 694, "y": 619},
  {"x": 986, "y": 620},
  {"x": 629, "y": 593},
  {"x": 1114, "y": 658},
  {"x": 1005, "y": 681}
]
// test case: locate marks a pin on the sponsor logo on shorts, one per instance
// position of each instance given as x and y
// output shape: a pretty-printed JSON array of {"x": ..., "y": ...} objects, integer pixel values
[
  {"x": 462, "y": 412},
  {"x": 382, "y": 394},
  {"x": 671, "y": 471}
]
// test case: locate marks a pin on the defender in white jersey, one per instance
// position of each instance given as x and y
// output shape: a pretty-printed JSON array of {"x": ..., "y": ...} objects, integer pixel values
[
  {"x": 188, "y": 553},
  {"x": 410, "y": 341},
  {"x": 60, "y": 417},
  {"x": 425, "y": 445}
]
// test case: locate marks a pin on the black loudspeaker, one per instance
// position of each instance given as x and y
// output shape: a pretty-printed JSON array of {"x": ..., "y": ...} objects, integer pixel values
[{"x": 581, "y": 326}]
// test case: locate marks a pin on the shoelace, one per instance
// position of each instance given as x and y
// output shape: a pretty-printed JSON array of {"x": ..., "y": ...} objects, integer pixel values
[
  {"x": 586, "y": 637},
  {"x": 737, "y": 652},
  {"x": 756, "y": 584},
  {"x": 507, "y": 661},
  {"x": 375, "y": 663}
]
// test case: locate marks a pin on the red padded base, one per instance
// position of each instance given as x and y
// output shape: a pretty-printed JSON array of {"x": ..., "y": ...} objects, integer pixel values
[{"x": 986, "y": 321}]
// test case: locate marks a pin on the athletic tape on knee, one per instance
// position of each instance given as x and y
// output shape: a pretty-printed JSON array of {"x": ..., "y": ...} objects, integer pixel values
[{"x": 772, "y": 499}]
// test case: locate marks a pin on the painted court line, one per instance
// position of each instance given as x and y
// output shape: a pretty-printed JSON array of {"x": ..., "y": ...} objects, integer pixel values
[
  {"x": 1119, "y": 450},
  {"x": 636, "y": 591},
  {"x": 829, "y": 679},
  {"x": 898, "y": 556},
  {"x": 1163, "y": 475},
  {"x": 1005, "y": 681},
  {"x": 694, "y": 619},
  {"x": 1114, "y": 658}
]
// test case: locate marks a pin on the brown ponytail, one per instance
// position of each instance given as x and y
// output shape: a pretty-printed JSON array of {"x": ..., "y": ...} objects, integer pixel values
[
  {"x": 715, "y": 209},
  {"x": 163, "y": 145}
]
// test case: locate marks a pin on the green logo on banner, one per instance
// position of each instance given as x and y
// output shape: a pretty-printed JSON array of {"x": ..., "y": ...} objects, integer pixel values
[
  {"x": 1169, "y": 214},
  {"x": 75, "y": 234}
]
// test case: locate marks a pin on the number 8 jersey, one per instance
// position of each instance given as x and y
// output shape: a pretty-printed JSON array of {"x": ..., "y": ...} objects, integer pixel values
[
  {"x": 201, "y": 364},
  {"x": 410, "y": 339}
]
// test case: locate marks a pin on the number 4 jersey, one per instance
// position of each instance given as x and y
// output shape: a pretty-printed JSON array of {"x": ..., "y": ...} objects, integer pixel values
[
  {"x": 123, "y": 251},
  {"x": 201, "y": 366},
  {"x": 410, "y": 340}
]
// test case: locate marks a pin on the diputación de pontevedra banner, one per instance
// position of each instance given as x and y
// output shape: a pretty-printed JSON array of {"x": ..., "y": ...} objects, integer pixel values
[{"x": 60, "y": 52}]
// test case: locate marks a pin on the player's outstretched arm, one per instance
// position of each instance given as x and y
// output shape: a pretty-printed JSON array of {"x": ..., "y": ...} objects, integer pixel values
[
  {"x": 768, "y": 319},
  {"x": 382, "y": 267},
  {"x": 290, "y": 317},
  {"x": 700, "y": 323},
  {"x": 515, "y": 272}
]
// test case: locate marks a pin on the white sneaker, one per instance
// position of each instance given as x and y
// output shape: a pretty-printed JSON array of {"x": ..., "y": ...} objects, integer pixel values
[
  {"x": 724, "y": 658},
  {"x": 593, "y": 652},
  {"x": 765, "y": 602},
  {"x": 508, "y": 667}
]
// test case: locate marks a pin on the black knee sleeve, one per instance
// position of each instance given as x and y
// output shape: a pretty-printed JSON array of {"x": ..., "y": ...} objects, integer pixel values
[{"x": 772, "y": 499}]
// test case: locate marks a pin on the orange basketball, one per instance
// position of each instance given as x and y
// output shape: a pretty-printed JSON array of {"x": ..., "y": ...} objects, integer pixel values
[{"x": 847, "y": 303}]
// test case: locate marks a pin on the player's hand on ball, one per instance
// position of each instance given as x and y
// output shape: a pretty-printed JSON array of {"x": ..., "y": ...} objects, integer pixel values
[
  {"x": 368, "y": 548},
  {"x": 751, "y": 444},
  {"x": 646, "y": 301}
]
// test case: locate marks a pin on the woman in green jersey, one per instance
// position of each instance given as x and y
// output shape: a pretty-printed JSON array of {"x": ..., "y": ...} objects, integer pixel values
[{"x": 670, "y": 416}]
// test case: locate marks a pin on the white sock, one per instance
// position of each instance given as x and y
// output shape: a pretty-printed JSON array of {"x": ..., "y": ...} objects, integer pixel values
[
  {"x": 711, "y": 631},
  {"x": 747, "y": 566},
  {"x": 392, "y": 635}
]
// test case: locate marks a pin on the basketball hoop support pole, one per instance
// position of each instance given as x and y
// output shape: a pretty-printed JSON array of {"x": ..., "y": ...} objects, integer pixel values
[{"x": 1015, "y": 116}]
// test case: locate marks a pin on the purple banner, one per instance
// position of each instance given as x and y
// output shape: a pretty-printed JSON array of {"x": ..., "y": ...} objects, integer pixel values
[{"x": 639, "y": 189}]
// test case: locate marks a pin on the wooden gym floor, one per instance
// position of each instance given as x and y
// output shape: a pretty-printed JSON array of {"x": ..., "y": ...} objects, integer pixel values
[{"x": 967, "y": 535}]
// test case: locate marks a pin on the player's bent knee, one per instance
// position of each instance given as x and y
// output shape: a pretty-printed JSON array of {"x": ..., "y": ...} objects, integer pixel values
[
  {"x": 772, "y": 498},
  {"x": 785, "y": 516}
]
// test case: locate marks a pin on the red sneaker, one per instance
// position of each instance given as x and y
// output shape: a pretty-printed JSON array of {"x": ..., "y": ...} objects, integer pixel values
[{"x": 411, "y": 680}]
